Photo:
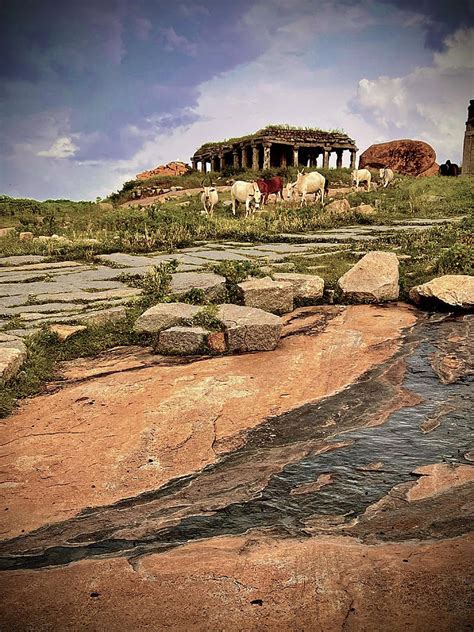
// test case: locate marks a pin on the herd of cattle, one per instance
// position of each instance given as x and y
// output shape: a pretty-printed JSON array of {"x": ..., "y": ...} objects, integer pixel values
[{"x": 256, "y": 193}]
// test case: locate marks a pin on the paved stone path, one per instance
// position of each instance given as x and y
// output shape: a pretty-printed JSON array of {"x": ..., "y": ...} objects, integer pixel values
[{"x": 34, "y": 291}]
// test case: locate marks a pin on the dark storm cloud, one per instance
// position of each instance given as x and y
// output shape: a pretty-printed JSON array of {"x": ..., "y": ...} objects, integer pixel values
[
  {"x": 443, "y": 17},
  {"x": 113, "y": 63}
]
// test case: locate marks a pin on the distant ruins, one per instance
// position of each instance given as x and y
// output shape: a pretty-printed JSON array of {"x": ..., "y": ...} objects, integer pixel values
[
  {"x": 276, "y": 146},
  {"x": 468, "y": 150}
]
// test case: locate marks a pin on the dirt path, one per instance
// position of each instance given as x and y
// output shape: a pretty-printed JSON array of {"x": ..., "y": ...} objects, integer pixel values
[{"x": 148, "y": 201}]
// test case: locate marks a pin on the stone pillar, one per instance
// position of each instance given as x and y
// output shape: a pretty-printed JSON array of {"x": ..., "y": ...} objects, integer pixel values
[
  {"x": 244, "y": 157},
  {"x": 194, "y": 163},
  {"x": 255, "y": 157},
  {"x": 203, "y": 166},
  {"x": 353, "y": 158},
  {"x": 468, "y": 147},
  {"x": 326, "y": 154},
  {"x": 266, "y": 155},
  {"x": 296, "y": 158},
  {"x": 235, "y": 154},
  {"x": 313, "y": 162},
  {"x": 283, "y": 159},
  {"x": 221, "y": 162},
  {"x": 339, "y": 158}
]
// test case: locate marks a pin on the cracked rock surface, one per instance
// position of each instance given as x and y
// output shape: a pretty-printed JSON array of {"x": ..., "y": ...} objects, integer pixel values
[{"x": 325, "y": 486}]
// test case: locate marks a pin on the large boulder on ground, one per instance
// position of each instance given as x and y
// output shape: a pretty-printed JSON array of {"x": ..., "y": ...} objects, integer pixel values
[
  {"x": 213, "y": 285},
  {"x": 338, "y": 207},
  {"x": 373, "y": 279},
  {"x": 182, "y": 340},
  {"x": 165, "y": 315},
  {"x": 408, "y": 157},
  {"x": 249, "y": 329},
  {"x": 430, "y": 172},
  {"x": 271, "y": 296},
  {"x": 307, "y": 288},
  {"x": 451, "y": 290}
]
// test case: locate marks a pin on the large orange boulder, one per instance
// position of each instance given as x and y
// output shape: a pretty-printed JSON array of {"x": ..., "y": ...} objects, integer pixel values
[
  {"x": 408, "y": 157},
  {"x": 171, "y": 169}
]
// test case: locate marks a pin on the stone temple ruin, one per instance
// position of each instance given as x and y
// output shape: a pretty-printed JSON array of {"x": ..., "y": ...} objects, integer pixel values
[{"x": 276, "y": 146}]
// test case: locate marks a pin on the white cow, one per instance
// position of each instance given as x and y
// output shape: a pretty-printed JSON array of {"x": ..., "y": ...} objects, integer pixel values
[
  {"x": 209, "y": 199},
  {"x": 386, "y": 175},
  {"x": 246, "y": 193},
  {"x": 312, "y": 182},
  {"x": 361, "y": 175}
]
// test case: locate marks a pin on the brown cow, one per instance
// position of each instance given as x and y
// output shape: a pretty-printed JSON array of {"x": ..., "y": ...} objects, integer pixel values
[{"x": 272, "y": 185}]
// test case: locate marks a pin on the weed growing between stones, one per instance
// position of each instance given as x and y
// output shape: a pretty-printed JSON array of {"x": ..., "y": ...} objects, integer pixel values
[
  {"x": 235, "y": 272},
  {"x": 155, "y": 284},
  {"x": 207, "y": 318}
]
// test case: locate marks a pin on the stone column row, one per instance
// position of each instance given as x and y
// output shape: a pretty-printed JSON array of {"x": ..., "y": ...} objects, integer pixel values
[{"x": 240, "y": 158}]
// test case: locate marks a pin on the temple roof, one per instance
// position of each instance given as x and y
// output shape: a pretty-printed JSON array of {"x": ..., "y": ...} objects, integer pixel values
[{"x": 283, "y": 134}]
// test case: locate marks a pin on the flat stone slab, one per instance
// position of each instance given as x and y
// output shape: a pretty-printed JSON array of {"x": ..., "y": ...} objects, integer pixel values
[
  {"x": 126, "y": 260},
  {"x": 213, "y": 285},
  {"x": 17, "y": 260},
  {"x": 46, "y": 307},
  {"x": 249, "y": 329},
  {"x": 221, "y": 255},
  {"x": 89, "y": 297},
  {"x": 164, "y": 316},
  {"x": 282, "y": 247},
  {"x": 271, "y": 296},
  {"x": 104, "y": 317},
  {"x": 182, "y": 340}
]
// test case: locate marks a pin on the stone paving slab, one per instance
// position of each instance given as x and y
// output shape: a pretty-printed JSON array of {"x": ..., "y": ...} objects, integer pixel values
[
  {"x": 278, "y": 248},
  {"x": 220, "y": 255},
  {"x": 45, "y": 307},
  {"x": 52, "y": 265},
  {"x": 131, "y": 261},
  {"x": 16, "y": 260}
]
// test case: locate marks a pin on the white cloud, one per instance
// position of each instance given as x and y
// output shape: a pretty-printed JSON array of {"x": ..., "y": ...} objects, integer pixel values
[
  {"x": 429, "y": 103},
  {"x": 63, "y": 147}
]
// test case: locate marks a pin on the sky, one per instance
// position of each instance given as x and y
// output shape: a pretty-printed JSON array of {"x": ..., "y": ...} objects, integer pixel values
[{"x": 94, "y": 91}]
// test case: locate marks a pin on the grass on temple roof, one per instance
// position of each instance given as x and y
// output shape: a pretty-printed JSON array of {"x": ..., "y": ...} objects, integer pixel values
[{"x": 274, "y": 127}]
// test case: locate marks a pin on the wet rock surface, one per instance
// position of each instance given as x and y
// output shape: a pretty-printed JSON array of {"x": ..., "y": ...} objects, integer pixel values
[{"x": 312, "y": 492}]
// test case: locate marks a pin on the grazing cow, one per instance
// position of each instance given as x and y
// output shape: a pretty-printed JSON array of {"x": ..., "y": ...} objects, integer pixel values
[
  {"x": 387, "y": 176},
  {"x": 247, "y": 193},
  {"x": 209, "y": 199},
  {"x": 312, "y": 182},
  {"x": 272, "y": 185},
  {"x": 361, "y": 175},
  {"x": 449, "y": 169}
]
